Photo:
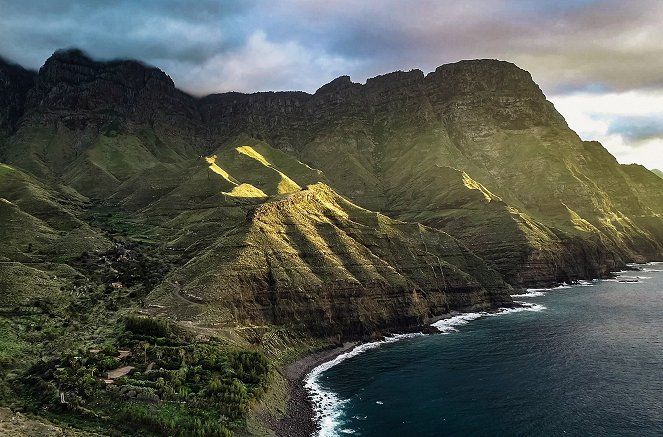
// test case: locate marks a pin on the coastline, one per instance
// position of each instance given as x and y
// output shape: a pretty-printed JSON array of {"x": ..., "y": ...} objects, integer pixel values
[{"x": 299, "y": 419}]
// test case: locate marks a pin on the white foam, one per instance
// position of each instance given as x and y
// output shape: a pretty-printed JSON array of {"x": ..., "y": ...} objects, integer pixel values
[
  {"x": 634, "y": 278},
  {"x": 531, "y": 292},
  {"x": 653, "y": 264},
  {"x": 327, "y": 406},
  {"x": 447, "y": 326},
  {"x": 524, "y": 306}
]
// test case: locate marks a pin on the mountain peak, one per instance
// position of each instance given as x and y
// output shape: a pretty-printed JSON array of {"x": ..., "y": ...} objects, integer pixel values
[
  {"x": 74, "y": 66},
  {"x": 339, "y": 83},
  {"x": 484, "y": 75},
  {"x": 71, "y": 55}
]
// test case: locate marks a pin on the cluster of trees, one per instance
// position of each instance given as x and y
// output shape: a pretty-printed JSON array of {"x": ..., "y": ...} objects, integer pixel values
[
  {"x": 129, "y": 263},
  {"x": 195, "y": 388},
  {"x": 172, "y": 422},
  {"x": 148, "y": 326}
]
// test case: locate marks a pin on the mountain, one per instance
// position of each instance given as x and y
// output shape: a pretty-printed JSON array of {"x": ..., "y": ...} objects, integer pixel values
[
  {"x": 281, "y": 220},
  {"x": 657, "y": 172},
  {"x": 472, "y": 149}
]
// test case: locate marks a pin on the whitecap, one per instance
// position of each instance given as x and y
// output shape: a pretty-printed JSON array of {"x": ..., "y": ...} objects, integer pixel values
[
  {"x": 327, "y": 406},
  {"x": 448, "y": 325},
  {"x": 523, "y": 306},
  {"x": 531, "y": 292}
]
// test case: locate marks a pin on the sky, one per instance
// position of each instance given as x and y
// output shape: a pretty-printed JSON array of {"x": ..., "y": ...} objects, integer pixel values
[{"x": 599, "y": 61}]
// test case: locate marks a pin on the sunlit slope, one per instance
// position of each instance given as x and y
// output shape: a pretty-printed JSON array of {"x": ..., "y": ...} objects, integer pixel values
[
  {"x": 244, "y": 171},
  {"x": 316, "y": 261}
]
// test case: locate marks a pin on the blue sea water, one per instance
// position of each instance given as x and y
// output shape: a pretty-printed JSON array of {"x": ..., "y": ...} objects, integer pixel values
[{"x": 582, "y": 361}]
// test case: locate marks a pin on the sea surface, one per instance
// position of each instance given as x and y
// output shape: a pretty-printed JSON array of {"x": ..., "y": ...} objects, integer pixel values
[{"x": 581, "y": 360}]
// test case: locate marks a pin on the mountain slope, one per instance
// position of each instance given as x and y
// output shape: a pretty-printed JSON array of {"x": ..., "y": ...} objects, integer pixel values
[
  {"x": 276, "y": 223},
  {"x": 315, "y": 261}
]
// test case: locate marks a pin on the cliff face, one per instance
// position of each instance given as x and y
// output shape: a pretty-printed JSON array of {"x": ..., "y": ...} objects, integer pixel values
[
  {"x": 15, "y": 82},
  {"x": 472, "y": 175}
]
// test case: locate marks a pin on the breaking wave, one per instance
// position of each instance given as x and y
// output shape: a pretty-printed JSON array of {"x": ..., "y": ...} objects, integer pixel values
[{"x": 327, "y": 406}]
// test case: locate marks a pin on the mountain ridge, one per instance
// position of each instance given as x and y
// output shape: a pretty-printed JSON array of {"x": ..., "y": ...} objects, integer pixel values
[{"x": 458, "y": 115}]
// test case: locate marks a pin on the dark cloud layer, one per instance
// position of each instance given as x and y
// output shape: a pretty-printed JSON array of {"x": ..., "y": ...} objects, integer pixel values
[
  {"x": 569, "y": 46},
  {"x": 565, "y": 44}
]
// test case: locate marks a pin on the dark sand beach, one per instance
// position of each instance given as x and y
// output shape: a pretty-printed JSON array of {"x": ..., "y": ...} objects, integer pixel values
[{"x": 299, "y": 420}]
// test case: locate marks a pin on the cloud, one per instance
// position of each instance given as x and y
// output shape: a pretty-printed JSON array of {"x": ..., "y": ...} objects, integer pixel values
[
  {"x": 637, "y": 129},
  {"x": 152, "y": 31},
  {"x": 629, "y": 124},
  {"x": 275, "y": 66}
]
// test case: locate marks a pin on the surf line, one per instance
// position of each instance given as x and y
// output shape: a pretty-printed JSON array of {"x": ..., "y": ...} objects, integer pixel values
[{"x": 328, "y": 407}]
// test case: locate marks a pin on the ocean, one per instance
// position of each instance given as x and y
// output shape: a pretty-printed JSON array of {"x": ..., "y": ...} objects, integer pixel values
[{"x": 578, "y": 360}]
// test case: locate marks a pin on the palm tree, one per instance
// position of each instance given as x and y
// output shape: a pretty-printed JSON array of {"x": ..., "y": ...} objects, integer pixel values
[{"x": 145, "y": 346}]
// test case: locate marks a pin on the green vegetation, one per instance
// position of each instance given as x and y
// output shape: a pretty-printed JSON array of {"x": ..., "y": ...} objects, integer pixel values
[
  {"x": 4, "y": 169},
  {"x": 176, "y": 386}
]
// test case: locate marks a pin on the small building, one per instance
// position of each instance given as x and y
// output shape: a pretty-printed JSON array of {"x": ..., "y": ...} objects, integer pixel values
[{"x": 120, "y": 371}]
